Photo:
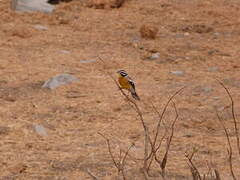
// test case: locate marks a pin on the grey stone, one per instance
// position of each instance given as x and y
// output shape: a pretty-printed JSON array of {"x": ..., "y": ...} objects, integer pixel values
[
  {"x": 179, "y": 36},
  {"x": 58, "y": 80},
  {"x": 207, "y": 89},
  {"x": 154, "y": 56},
  {"x": 177, "y": 73},
  {"x": 31, "y": 5},
  {"x": 87, "y": 61},
  {"x": 40, "y": 27},
  {"x": 64, "y": 51},
  {"x": 213, "y": 69},
  {"x": 40, "y": 130}
]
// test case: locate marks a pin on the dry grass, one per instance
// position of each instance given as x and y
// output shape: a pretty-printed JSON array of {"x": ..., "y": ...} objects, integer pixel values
[{"x": 200, "y": 38}]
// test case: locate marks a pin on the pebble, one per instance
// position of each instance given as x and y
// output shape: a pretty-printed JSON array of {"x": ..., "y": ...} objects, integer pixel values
[
  {"x": 64, "y": 51},
  {"x": 87, "y": 61},
  {"x": 207, "y": 89},
  {"x": 154, "y": 56},
  {"x": 33, "y": 5},
  {"x": 40, "y": 130},
  {"x": 40, "y": 27},
  {"x": 213, "y": 69},
  {"x": 58, "y": 80},
  {"x": 177, "y": 73}
]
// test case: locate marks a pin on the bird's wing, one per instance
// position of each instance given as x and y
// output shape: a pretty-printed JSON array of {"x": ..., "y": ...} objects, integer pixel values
[{"x": 131, "y": 82}]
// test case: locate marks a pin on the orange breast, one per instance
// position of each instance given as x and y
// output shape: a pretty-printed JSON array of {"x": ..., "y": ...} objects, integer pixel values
[{"x": 123, "y": 82}]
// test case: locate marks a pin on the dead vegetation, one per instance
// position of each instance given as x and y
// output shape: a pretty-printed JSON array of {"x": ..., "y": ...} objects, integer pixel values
[
  {"x": 197, "y": 41},
  {"x": 153, "y": 142}
]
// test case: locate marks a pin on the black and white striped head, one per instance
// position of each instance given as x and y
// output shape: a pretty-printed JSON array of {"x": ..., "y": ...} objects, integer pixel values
[{"x": 122, "y": 73}]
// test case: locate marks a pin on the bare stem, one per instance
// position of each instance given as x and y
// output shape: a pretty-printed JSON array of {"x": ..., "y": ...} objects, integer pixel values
[
  {"x": 233, "y": 115},
  {"x": 110, "y": 150},
  {"x": 195, "y": 173},
  {"x": 162, "y": 114},
  {"x": 229, "y": 150}
]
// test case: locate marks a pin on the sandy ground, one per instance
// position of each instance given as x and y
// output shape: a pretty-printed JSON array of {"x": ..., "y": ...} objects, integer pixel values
[{"x": 198, "y": 38}]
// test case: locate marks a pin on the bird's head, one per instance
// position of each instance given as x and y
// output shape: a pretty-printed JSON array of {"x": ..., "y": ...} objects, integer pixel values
[{"x": 122, "y": 73}]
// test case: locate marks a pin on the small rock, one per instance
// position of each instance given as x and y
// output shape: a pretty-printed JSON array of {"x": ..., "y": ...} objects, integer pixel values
[
  {"x": 87, "y": 61},
  {"x": 179, "y": 36},
  {"x": 58, "y": 80},
  {"x": 213, "y": 52},
  {"x": 213, "y": 69},
  {"x": 207, "y": 89},
  {"x": 33, "y": 5},
  {"x": 154, "y": 56},
  {"x": 216, "y": 33},
  {"x": 216, "y": 98},
  {"x": 177, "y": 73},
  {"x": 40, "y": 27},
  {"x": 64, "y": 51},
  {"x": 40, "y": 130}
]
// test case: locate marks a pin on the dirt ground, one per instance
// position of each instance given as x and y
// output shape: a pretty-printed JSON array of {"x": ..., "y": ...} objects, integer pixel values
[{"x": 198, "y": 41}]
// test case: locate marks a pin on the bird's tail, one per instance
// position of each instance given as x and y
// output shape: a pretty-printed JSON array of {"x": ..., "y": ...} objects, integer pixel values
[{"x": 135, "y": 96}]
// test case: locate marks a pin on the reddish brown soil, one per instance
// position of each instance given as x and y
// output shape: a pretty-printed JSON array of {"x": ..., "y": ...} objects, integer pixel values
[{"x": 200, "y": 38}]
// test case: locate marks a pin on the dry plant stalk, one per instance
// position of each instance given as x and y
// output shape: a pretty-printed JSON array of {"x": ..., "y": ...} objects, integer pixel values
[
  {"x": 229, "y": 149},
  {"x": 154, "y": 145},
  {"x": 163, "y": 163},
  {"x": 211, "y": 174},
  {"x": 194, "y": 171},
  {"x": 121, "y": 164},
  {"x": 217, "y": 174},
  {"x": 91, "y": 175},
  {"x": 233, "y": 115}
]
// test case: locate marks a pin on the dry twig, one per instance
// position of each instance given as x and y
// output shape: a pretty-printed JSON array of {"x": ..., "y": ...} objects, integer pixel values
[
  {"x": 163, "y": 163},
  {"x": 233, "y": 115},
  {"x": 195, "y": 173},
  {"x": 122, "y": 161},
  {"x": 90, "y": 174},
  {"x": 229, "y": 150}
]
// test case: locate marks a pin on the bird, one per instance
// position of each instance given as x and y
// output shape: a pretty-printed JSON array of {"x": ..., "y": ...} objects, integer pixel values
[{"x": 127, "y": 83}]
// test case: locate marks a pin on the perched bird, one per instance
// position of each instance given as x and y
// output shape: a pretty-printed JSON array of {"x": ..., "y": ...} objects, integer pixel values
[{"x": 127, "y": 83}]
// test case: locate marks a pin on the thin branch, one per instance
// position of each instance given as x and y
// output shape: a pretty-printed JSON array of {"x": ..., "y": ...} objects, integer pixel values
[
  {"x": 217, "y": 174},
  {"x": 209, "y": 173},
  {"x": 195, "y": 173},
  {"x": 90, "y": 174},
  {"x": 233, "y": 115},
  {"x": 124, "y": 159},
  {"x": 153, "y": 152},
  {"x": 163, "y": 112},
  {"x": 109, "y": 150},
  {"x": 153, "y": 144},
  {"x": 164, "y": 161},
  {"x": 229, "y": 150}
]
